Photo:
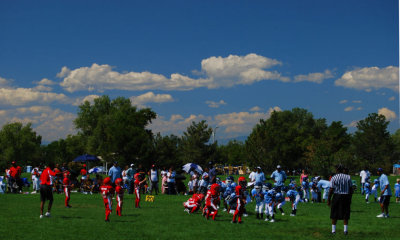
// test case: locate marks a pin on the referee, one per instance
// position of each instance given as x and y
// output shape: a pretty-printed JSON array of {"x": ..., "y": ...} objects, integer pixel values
[{"x": 342, "y": 190}]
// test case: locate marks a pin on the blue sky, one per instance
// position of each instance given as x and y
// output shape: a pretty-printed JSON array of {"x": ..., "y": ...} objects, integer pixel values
[{"x": 227, "y": 62}]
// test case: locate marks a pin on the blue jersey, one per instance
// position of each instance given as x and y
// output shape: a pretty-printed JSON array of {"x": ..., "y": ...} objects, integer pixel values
[
  {"x": 258, "y": 196},
  {"x": 397, "y": 189},
  {"x": 269, "y": 196},
  {"x": 279, "y": 197},
  {"x": 305, "y": 185},
  {"x": 292, "y": 194},
  {"x": 367, "y": 188}
]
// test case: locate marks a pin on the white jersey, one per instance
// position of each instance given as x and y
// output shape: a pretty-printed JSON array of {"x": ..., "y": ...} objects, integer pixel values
[
  {"x": 364, "y": 175},
  {"x": 154, "y": 175}
]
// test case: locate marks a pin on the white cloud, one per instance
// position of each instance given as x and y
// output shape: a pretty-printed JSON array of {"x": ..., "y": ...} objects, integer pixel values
[
  {"x": 314, "y": 77},
  {"x": 89, "y": 98},
  {"x": 357, "y": 101},
  {"x": 219, "y": 72},
  {"x": 150, "y": 97},
  {"x": 348, "y": 109},
  {"x": 213, "y": 104},
  {"x": 392, "y": 98},
  {"x": 255, "y": 109},
  {"x": 343, "y": 101},
  {"x": 51, "y": 124},
  {"x": 21, "y": 96},
  {"x": 389, "y": 114},
  {"x": 46, "y": 82},
  {"x": 353, "y": 124},
  {"x": 230, "y": 124},
  {"x": 4, "y": 82},
  {"x": 370, "y": 78}
]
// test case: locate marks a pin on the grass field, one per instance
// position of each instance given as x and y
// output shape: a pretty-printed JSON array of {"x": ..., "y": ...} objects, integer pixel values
[{"x": 165, "y": 219}]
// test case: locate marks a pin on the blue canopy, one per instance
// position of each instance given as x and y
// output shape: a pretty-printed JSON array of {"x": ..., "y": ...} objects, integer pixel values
[
  {"x": 86, "y": 158},
  {"x": 396, "y": 165}
]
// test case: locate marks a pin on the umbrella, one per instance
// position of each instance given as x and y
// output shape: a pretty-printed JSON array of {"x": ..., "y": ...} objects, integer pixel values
[
  {"x": 96, "y": 170},
  {"x": 86, "y": 158},
  {"x": 189, "y": 167}
]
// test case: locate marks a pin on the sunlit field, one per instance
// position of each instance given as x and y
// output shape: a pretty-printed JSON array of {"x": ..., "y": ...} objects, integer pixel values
[{"x": 165, "y": 219}]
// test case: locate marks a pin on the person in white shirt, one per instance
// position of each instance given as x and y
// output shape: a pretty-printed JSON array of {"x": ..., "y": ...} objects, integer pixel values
[
  {"x": 364, "y": 175},
  {"x": 252, "y": 177},
  {"x": 35, "y": 179},
  {"x": 153, "y": 173}
]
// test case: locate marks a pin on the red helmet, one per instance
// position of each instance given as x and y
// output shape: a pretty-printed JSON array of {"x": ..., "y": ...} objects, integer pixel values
[
  {"x": 107, "y": 180},
  {"x": 200, "y": 196},
  {"x": 137, "y": 176},
  {"x": 242, "y": 181},
  {"x": 84, "y": 165},
  {"x": 118, "y": 181}
]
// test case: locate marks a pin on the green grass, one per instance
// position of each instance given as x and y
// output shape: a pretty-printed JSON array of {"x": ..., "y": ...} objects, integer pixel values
[{"x": 165, "y": 219}]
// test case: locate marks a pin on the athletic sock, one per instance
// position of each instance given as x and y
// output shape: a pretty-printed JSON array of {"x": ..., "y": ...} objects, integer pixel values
[
  {"x": 333, "y": 228},
  {"x": 345, "y": 228}
]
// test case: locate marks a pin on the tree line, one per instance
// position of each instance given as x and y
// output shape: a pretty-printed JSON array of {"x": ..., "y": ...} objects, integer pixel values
[{"x": 118, "y": 131}]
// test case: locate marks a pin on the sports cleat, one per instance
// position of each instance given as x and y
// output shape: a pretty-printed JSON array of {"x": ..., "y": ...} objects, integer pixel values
[
  {"x": 41, "y": 216},
  {"x": 272, "y": 220},
  {"x": 387, "y": 216},
  {"x": 283, "y": 214},
  {"x": 267, "y": 220},
  {"x": 48, "y": 214},
  {"x": 333, "y": 233},
  {"x": 68, "y": 206},
  {"x": 381, "y": 215},
  {"x": 225, "y": 209},
  {"x": 292, "y": 215},
  {"x": 245, "y": 215}
]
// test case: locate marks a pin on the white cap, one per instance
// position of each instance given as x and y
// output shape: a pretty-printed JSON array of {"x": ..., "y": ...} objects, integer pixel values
[
  {"x": 279, "y": 166},
  {"x": 132, "y": 165}
]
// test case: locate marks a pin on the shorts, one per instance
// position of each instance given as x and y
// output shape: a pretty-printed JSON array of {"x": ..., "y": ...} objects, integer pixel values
[
  {"x": 397, "y": 194},
  {"x": 385, "y": 200},
  {"x": 46, "y": 193},
  {"x": 340, "y": 207}
]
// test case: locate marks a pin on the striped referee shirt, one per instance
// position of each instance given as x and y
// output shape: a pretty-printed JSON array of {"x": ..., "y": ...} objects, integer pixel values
[{"x": 341, "y": 184}]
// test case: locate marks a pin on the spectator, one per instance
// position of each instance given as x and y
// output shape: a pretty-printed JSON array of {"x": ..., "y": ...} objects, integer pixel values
[
  {"x": 212, "y": 173},
  {"x": 279, "y": 176},
  {"x": 252, "y": 177},
  {"x": 130, "y": 173},
  {"x": 364, "y": 175},
  {"x": 386, "y": 193},
  {"x": 259, "y": 176},
  {"x": 114, "y": 173},
  {"x": 303, "y": 174},
  {"x": 124, "y": 175},
  {"x": 153, "y": 173},
  {"x": 35, "y": 173},
  {"x": 171, "y": 181},
  {"x": 46, "y": 189},
  {"x": 342, "y": 190},
  {"x": 164, "y": 182}
]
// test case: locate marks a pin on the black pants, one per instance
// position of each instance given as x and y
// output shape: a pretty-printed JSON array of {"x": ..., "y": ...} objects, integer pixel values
[
  {"x": 171, "y": 188},
  {"x": 340, "y": 207}
]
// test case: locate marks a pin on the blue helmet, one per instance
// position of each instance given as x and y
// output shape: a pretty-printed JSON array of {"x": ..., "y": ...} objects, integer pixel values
[
  {"x": 376, "y": 181},
  {"x": 299, "y": 188}
]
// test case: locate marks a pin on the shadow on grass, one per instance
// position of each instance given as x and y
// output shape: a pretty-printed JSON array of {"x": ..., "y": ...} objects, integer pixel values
[
  {"x": 131, "y": 215},
  {"x": 70, "y": 217}
]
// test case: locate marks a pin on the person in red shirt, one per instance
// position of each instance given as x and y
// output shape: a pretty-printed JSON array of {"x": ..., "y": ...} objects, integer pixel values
[
  {"x": 120, "y": 195},
  {"x": 107, "y": 191},
  {"x": 15, "y": 178},
  {"x": 241, "y": 200},
  {"x": 46, "y": 192},
  {"x": 137, "y": 185},
  {"x": 193, "y": 204},
  {"x": 67, "y": 189},
  {"x": 84, "y": 174},
  {"x": 212, "y": 201}
]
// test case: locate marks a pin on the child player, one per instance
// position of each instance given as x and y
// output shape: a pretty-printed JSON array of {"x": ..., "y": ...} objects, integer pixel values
[
  {"x": 280, "y": 200},
  {"x": 137, "y": 185},
  {"x": 258, "y": 196},
  {"x": 193, "y": 204},
  {"x": 269, "y": 201},
  {"x": 241, "y": 199},
  {"x": 107, "y": 192},
  {"x": 397, "y": 190},
  {"x": 294, "y": 197},
  {"x": 212, "y": 201},
  {"x": 374, "y": 189},
  {"x": 67, "y": 188},
  {"x": 119, "y": 190}
]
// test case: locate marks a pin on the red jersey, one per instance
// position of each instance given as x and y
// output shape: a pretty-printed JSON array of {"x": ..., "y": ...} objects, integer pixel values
[
  {"x": 57, "y": 171},
  {"x": 45, "y": 177},
  {"x": 66, "y": 182},
  {"x": 239, "y": 191},
  {"x": 15, "y": 172},
  {"x": 137, "y": 183},
  {"x": 119, "y": 190},
  {"x": 83, "y": 172},
  {"x": 66, "y": 174},
  {"x": 106, "y": 190}
]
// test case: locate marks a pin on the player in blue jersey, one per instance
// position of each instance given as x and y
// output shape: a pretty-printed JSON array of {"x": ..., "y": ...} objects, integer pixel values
[
  {"x": 397, "y": 190},
  {"x": 374, "y": 189},
  {"x": 325, "y": 185},
  {"x": 305, "y": 185},
  {"x": 279, "y": 200},
  {"x": 258, "y": 197},
  {"x": 229, "y": 189},
  {"x": 294, "y": 197},
  {"x": 269, "y": 201}
]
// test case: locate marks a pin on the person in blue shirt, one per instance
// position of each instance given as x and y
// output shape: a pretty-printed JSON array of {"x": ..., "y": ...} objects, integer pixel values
[
  {"x": 269, "y": 201},
  {"x": 259, "y": 176},
  {"x": 229, "y": 189},
  {"x": 325, "y": 185},
  {"x": 397, "y": 190},
  {"x": 385, "y": 194},
  {"x": 279, "y": 176},
  {"x": 367, "y": 190},
  {"x": 279, "y": 200},
  {"x": 374, "y": 189},
  {"x": 258, "y": 196},
  {"x": 115, "y": 172}
]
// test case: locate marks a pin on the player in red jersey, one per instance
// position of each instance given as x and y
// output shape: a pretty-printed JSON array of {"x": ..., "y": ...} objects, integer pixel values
[
  {"x": 213, "y": 201},
  {"x": 137, "y": 185},
  {"x": 67, "y": 189},
  {"x": 241, "y": 199},
  {"x": 193, "y": 204},
  {"x": 119, "y": 195},
  {"x": 107, "y": 192}
]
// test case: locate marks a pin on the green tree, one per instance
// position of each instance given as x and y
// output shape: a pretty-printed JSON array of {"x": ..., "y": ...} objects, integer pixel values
[
  {"x": 19, "y": 143},
  {"x": 233, "y": 153},
  {"x": 373, "y": 145},
  {"x": 166, "y": 150},
  {"x": 283, "y": 139},
  {"x": 116, "y": 130},
  {"x": 195, "y": 146}
]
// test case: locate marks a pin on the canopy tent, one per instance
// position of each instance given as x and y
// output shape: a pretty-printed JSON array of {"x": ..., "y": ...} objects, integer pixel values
[
  {"x": 86, "y": 158},
  {"x": 396, "y": 169}
]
